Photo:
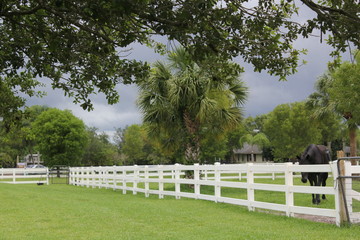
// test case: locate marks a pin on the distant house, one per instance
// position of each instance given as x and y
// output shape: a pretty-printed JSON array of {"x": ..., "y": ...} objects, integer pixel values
[
  {"x": 30, "y": 159},
  {"x": 346, "y": 150},
  {"x": 248, "y": 153}
]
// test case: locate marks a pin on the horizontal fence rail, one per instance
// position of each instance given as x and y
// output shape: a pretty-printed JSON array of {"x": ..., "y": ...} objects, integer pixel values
[
  {"x": 24, "y": 175},
  {"x": 139, "y": 179}
]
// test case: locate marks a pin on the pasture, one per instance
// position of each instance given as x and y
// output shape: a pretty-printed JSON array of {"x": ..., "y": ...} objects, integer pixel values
[{"x": 69, "y": 212}]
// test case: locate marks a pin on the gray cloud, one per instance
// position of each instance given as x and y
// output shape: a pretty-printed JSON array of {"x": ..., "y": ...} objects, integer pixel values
[{"x": 266, "y": 92}]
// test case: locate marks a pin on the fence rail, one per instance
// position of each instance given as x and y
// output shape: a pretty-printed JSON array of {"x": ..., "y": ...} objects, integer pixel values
[
  {"x": 24, "y": 175},
  {"x": 138, "y": 179}
]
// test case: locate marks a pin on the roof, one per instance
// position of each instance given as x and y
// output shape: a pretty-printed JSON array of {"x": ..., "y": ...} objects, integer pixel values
[{"x": 248, "y": 149}]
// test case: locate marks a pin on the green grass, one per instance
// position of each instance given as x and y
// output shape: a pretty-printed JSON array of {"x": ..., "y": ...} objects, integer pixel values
[{"x": 70, "y": 212}]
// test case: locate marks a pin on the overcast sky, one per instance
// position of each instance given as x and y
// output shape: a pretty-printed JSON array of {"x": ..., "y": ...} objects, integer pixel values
[{"x": 265, "y": 92}]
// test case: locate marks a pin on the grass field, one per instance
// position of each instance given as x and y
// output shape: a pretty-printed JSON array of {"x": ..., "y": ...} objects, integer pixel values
[{"x": 69, "y": 212}]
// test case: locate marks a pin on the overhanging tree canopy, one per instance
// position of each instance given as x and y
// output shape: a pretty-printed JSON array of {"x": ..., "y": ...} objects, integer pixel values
[{"x": 78, "y": 44}]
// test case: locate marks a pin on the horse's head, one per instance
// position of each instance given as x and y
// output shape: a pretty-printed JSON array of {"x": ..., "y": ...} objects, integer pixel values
[{"x": 303, "y": 160}]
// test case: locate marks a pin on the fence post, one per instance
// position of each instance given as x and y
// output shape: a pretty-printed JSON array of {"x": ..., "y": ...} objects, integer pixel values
[
  {"x": 93, "y": 181},
  {"x": 136, "y": 179},
  {"x": 289, "y": 182},
  {"x": 341, "y": 215},
  {"x": 348, "y": 187},
  {"x": 147, "y": 181},
  {"x": 106, "y": 178},
  {"x": 161, "y": 183},
  {"x": 205, "y": 174},
  {"x": 47, "y": 176},
  {"x": 100, "y": 177},
  {"x": 14, "y": 176},
  {"x": 124, "y": 181},
  {"x": 70, "y": 176},
  {"x": 177, "y": 183},
  {"x": 217, "y": 181},
  {"x": 114, "y": 177},
  {"x": 250, "y": 187},
  {"x": 196, "y": 179},
  {"x": 88, "y": 173}
]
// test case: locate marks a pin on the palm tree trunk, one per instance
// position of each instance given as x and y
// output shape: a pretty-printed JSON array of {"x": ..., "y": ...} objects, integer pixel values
[{"x": 192, "y": 152}]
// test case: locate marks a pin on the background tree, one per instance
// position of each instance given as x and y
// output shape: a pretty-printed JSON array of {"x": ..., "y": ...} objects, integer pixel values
[
  {"x": 290, "y": 130},
  {"x": 214, "y": 148},
  {"x": 11, "y": 102},
  {"x": 337, "y": 93},
  {"x": 6, "y": 161},
  {"x": 233, "y": 140},
  {"x": 134, "y": 145},
  {"x": 183, "y": 100},
  {"x": 60, "y": 136},
  {"x": 343, "y": 92},
  {"x": 118, "y": 137},
  {"x": 19, "y": 140},
  {"x": 323, "y": 112},
  {"x": 99, "y": 151}
]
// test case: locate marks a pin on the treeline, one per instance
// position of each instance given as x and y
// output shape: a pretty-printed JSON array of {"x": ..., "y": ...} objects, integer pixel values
[
  {"x": 59, "y": 136},
  {"x": 289, "y": 128}
]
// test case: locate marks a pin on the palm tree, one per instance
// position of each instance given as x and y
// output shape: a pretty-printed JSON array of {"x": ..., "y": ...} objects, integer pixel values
[
  {"x": 337, "y": 93},
  {"x": 323, "y": 108},
  {"x": 182, "y": 100}
]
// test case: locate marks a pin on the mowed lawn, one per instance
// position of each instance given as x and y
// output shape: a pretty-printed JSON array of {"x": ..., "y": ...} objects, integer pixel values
[{"x": 70, "y": 212}]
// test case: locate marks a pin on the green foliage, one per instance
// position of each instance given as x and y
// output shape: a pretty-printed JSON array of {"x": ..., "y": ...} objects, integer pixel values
[
  {"x": 133, "y": 144},
  {"x": 181, "y": 100},
  {"x": 6, "y": 160},
  {"x": 60, "y": 136},
  {"x": 19, "y": 140},
  {"x": 80, "y": 46},
  {"x": 344, "y": 90},
  {"x": 11, "y": 102},
  {"x": 99, "y": 151},
  {"x": 73, "y": 44},
  {"x": 214, "y": 148},
  {"x": 290, "y": 130},
  {"x": 337, "y": 96},
  {"x": 259, "y": 139}
]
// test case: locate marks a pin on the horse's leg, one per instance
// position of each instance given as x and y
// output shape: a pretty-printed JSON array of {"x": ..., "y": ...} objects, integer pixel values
[
  {"x": 317, "y": 183},
  {"x": 311, "y": 181}
]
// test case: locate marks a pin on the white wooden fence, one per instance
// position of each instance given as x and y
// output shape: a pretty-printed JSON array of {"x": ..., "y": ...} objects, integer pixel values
[
  {"x": 24, "y": 175},
  {"x": 138, "y": 179}
]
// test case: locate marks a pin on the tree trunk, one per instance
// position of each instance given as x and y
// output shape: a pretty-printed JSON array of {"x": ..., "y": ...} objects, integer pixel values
[
  {"x": 329, "y": 146},
  {"x": 353, "y": 150},
  {"x": 192, "y": 152}
]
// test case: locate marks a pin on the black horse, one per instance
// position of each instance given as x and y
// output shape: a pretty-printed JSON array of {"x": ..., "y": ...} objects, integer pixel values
[{"x": 315, "y": 154}]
